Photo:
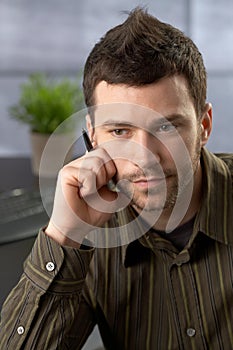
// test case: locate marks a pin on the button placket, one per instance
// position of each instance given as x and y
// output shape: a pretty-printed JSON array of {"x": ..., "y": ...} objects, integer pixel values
[{"x": 184, "y": 274}]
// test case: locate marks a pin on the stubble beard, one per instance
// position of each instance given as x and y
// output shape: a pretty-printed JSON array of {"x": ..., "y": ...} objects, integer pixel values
[
  {"x": 156, "y": 199},
  {"x": 165, "y": 196}
]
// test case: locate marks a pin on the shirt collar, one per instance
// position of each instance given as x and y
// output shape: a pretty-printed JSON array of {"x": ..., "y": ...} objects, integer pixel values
[{"x": 215, "y": 217}]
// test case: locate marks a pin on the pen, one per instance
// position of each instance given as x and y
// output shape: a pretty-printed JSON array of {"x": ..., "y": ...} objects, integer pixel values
[
  {"x": 87, "y": 141},
  {"x": 111, "y": 185}
]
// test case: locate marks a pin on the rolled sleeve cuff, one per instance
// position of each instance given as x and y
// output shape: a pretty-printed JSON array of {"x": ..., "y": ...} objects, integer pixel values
[{"x": 55, "y": 268}]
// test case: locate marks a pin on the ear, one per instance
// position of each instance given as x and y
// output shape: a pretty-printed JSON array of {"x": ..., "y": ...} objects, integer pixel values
[
  {"x": 206, "y": 124},
  {"x": 90, "y": 129}
]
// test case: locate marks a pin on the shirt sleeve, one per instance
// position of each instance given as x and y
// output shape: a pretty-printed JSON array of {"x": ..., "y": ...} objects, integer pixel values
[{"x": 45, "y": 307}]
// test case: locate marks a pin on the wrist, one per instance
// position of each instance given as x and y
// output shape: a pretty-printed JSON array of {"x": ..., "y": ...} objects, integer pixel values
[{"x": 52, "y": 231}]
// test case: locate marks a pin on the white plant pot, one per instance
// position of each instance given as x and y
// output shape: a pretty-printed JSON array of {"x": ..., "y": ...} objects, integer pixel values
[{"x": 49, "y": 154}]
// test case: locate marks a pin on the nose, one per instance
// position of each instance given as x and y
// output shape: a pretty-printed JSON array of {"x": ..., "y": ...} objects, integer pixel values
[{"x": 147, "y": 148}]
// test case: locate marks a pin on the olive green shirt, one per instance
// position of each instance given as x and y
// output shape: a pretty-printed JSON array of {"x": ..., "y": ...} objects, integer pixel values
[{"x": 144, "y": 295}]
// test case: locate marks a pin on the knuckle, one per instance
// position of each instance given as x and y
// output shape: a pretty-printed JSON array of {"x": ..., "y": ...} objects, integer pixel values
[
  {"x": 99, "y": 162},
  {"x": 63, "y": 172}
]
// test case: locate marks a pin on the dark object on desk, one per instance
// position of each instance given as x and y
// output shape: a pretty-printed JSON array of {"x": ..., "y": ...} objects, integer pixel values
[
  {"x": 21, "y": 216},
  {"x": 16, "y": 173}
]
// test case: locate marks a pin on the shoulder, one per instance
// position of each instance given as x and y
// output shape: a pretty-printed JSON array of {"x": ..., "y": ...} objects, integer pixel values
[{"x": 227, "y": 158}]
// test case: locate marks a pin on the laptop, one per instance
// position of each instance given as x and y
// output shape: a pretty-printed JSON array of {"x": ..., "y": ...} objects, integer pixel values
[{"x": 22, "y": 214}]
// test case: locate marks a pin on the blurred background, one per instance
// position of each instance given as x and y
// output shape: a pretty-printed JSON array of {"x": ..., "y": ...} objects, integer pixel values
[{"x": 55, "y": 36}]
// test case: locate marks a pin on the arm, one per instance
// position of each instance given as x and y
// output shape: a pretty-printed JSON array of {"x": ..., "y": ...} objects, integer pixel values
[{"x": 47, "y": 302}]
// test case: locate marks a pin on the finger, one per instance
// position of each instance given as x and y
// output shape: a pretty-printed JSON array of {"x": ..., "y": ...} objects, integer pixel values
[{"x": 100, "y": 165}]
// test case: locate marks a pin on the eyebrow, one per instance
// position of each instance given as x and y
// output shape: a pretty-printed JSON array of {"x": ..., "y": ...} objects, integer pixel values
[
  {"x": 171, "y": 118},
  {"x": 114, "y": 122}
]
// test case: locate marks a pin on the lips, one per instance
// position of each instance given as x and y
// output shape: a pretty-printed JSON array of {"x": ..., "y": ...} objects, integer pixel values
[{"x": 148, "y": 182}]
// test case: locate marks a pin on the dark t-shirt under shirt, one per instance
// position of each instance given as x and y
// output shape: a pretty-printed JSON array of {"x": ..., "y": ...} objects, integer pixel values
[{"x": 180, "y": 236}]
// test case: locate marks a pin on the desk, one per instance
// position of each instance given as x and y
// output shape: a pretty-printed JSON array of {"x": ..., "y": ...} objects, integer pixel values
[{"x": 14, "y": 173}]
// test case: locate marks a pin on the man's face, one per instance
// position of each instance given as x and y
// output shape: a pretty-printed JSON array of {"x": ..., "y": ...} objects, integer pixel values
[{"x": 154, "y": 137}]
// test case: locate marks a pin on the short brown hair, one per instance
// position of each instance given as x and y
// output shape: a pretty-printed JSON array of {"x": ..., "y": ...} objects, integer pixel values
[{"x": 142, "y": 50}]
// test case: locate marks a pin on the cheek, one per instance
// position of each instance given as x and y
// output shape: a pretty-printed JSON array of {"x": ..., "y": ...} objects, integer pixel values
[
  {"x": 177, "y": 152},
  {"x": 192, "y": 143}
]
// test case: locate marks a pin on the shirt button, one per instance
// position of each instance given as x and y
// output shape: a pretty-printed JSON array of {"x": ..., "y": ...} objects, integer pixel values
[
  {"x": 191, "y": 332},
  {"x": 50, "y": 266},
  {"x": 20, "y": 330}
]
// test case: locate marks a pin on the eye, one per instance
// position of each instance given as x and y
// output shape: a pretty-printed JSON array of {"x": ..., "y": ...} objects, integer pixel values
[
  {"x": 167, "y": 128},
  {"x": 120, "y": 132}
]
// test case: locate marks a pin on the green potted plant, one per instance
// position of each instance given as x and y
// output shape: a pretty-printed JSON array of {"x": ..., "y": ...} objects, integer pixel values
[{"x": 44, "y": 104}]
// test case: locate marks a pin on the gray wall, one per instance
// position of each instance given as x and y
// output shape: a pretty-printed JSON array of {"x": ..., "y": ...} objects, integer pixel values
[{"x": 56, "y": 36}]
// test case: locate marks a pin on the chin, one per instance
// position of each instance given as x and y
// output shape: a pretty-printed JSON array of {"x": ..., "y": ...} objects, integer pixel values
[{"x": 154, "y": 204}]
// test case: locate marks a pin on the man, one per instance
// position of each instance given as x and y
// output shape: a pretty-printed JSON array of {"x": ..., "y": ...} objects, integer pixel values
[{"x": 166, "y": 281}]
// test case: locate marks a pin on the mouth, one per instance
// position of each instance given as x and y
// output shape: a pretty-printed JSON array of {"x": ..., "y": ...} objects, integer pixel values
[{"x": 146, "y": 183}]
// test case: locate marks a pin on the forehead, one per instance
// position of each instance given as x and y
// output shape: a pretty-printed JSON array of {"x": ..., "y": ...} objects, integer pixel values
[{"x": 144, "y": 104}]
